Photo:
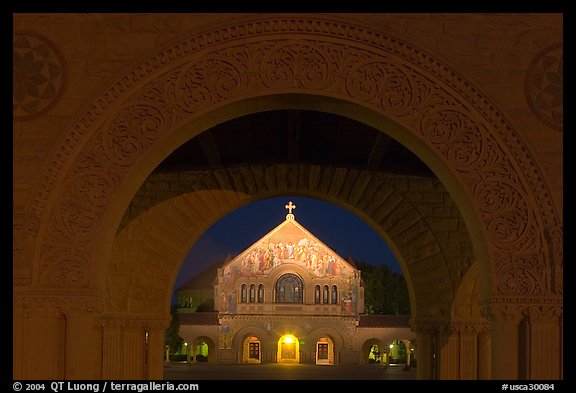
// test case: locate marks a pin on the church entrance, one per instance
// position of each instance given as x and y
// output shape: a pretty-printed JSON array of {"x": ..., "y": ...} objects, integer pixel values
[
  {"x": 251, "y": 350},
  {"x": 325, "y": 351},
  {"x": 288, "y": 349}
]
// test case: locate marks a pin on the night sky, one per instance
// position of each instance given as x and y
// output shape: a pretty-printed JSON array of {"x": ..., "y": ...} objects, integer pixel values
[{"x": 336, "y": 227}]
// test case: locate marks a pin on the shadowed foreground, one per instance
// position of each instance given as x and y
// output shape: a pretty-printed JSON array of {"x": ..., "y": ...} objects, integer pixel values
[{"x": 204, "y": 371}]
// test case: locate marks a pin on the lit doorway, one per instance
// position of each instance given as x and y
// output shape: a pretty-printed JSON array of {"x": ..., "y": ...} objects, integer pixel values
[
  {"x": 251, "y": 350},
  {"x": 324, "y": 351},
  {"x": 288, "y": 349}
]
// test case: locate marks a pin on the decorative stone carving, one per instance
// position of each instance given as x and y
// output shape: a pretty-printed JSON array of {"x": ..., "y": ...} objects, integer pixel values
[
  {"x": 126, "y": 320},
  {"x": 545, "y": 86},
  {"x": 69, "y": 302},
  {"x": 65, "y": 268},
  {"x": 373, "y": 70},
  {"x": 503, "y": 310},
  {"x": 445, "y": 326},
  {"x": 24, "y": 231},
  {"x": 545, "y": 313},
  {"x": 555, "y": 238},
  {"x": 38, "y": 75}
]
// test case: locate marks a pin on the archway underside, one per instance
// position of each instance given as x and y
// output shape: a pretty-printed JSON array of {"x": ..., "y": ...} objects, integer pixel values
[{"x": 415, "y": 215}]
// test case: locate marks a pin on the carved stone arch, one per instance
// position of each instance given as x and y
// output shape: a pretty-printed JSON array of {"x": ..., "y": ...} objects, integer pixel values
[
  {"x": 212, "y": 347},
  {"x": 298, "y": 271},
  {"x": 245, "y": 332},
  {"x": 366, "y": 346},
  {"x": 381, "y": 80},
  {"x": 465, "y": 303},
  {"x": 333, "y": 334}
]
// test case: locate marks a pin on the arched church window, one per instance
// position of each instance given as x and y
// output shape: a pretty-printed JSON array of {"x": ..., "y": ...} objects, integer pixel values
[
  {"x": 317, "y": 294},
  {"x": 252, "y": 293},
  {"x": 334, "y": 295},
  {"x": 261, "y": 293},
  {"x": 289, "y": 289},
  {"x": 325, "y": 294},
  {"x": 243, "y": 294}
]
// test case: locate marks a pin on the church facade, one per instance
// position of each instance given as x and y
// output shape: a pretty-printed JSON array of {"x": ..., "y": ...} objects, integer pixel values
[{"x": 289, "y": 298}]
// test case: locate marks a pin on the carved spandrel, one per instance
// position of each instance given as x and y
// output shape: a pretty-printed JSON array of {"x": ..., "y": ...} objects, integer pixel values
[{"x": 232, "y": 72}]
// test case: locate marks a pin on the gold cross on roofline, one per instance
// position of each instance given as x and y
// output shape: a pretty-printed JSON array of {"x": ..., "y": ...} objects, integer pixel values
[{"x": 290, "y": 206}]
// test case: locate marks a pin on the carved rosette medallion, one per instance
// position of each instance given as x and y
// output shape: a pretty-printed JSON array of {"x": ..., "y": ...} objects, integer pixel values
[
  {"x": 545, "y": 86},
  {"x": 38, "y": 75}
]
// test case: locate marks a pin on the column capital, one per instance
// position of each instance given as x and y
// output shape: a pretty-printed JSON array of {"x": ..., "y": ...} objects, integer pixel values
[
  {"x": 53, "y": 302},
  {"x": 544, "y": 313},
  {"x": 450, "y": 326},
  {"x": 514, "y": 309},
  {"x": 425, "y": 325},
  {"x": 126, "y": 320},
  {"x": 496, "y": 311}
]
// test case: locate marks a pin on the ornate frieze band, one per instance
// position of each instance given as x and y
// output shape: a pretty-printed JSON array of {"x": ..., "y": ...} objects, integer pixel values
[
  {"x": 69, "y": 303},
  {"x": 517, "y": 308},
  {"x": 434, "y": 326},
  {"x": 342, "y": 61}
]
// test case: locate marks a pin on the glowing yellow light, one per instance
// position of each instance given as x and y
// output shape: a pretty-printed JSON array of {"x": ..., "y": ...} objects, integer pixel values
[
  {"x": 391, "y": 346},
  {"x": 288, "y": 339}
]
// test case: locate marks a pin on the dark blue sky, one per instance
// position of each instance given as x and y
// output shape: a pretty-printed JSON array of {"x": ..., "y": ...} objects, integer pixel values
[{"x": 338, "y": 228}]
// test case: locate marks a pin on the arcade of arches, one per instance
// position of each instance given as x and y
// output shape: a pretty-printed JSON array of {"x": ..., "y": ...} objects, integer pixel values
[{"x": 133, "y": 133}]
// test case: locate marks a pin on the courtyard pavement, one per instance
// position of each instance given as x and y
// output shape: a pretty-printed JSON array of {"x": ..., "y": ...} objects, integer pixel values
[{"x": 219, "y": 372}]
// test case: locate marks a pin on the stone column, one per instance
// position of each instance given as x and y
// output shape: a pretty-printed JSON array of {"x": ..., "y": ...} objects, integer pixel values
[
  {"x": 155, "y": 349},
  {"x": 84, "y": 338},
  {"x": 387, "y": 354},
  {"x": 484, "y": 353},
  {"x": 468, "y": 342},
  {"x": 408, "y": 353},
  {"x": 448, "y": 352},
  {"x": 124, "y": 348},
  {"x": 134, "y": 350},
  {"x": 544, "y": 351},
  {"x": 112, "y": 350},
  {"x": 505, "y": 318},
  {"x": 561, "y": 354},
  {"x": 190, "y": 353},
  {"x": 39, "y": 337},
  {"x": 425, "y": 333}
]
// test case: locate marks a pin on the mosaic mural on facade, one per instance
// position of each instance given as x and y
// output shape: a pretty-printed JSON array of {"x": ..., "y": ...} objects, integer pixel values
[{"x": 288, "y": 244}]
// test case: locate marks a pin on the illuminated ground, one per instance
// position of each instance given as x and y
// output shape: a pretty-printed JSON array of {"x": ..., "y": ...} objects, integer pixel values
[{"x": 203, "y": 371}]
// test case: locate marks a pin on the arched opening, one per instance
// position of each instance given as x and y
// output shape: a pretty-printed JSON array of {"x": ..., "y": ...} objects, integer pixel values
[
  {"x": 202, "y": 349},
  {"x": 325, "y": 351},
  {"x": 398, "y": 353},
  {"x": 251, "y": 350},
  {"x": 289, "y": 289},
  {"x": 139, "y": 121},
  {"x": 288, "y": 349},
  {"x": 374, "y": 355}
]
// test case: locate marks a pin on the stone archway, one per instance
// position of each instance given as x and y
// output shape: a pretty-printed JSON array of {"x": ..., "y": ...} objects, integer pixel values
[
  {"x": 332, "y": 66},
  {"x": 372, "y": 351}
]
